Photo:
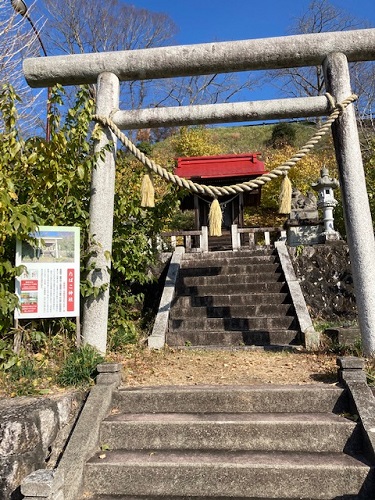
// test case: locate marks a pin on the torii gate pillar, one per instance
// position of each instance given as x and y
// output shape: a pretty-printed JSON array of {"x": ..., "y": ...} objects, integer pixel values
[
  {"x": 359, "y": 229},
  {"x": 95, "y": 309}
]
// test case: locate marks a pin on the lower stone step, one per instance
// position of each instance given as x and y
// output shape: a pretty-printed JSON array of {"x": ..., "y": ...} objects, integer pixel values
[
  {"x": 164, "y": 497},
  {"x": 152, "y": 497},
  {"x": 316, "y": 432},
  {"x": 215, "y": 269},
  {"x": 181, "y": 311},
  {"x": 233, "y": 300},
  {"x": 239, "y": 474},
  {"x": 235, "y": 338},
  {"x": 246, "y": 288},
  {"x": 228, "y": 399},
  {"x": 263, "y": 323},
  {"x": 230, "y": 279}
]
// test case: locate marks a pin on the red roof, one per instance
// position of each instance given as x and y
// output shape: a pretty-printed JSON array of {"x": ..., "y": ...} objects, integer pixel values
[{"x": 213, "y": 167}]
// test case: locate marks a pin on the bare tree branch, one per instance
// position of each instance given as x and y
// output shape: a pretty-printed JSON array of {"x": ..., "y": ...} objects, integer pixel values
[
  {"x": 321, "y": 16},
  {"x": 19, "y": 40}
]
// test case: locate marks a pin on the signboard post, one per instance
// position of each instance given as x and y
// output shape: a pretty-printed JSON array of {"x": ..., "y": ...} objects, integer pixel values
[{"x": 49, "y": 285}]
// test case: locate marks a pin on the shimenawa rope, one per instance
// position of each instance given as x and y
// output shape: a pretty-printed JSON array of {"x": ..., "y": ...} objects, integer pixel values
[
  {"x": 215, "y": 214},
  {"x": 216, "y": 191}
]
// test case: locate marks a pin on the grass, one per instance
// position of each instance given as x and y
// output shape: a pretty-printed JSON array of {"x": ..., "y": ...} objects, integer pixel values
[
  {"x": 256, "y": 137},
  {"x": 45, "y": 360},
  {"x": 37, "y": 374},
  {"x": 79, "y": 368},
  {"x": 248, "y": 138}
]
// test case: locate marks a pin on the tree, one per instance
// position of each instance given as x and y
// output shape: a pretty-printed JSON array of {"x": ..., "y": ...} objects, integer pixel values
[
  {"x": 195, "y": 141},
  {"x": 94, "y": 26},
  {"x": 321, "y": 16},
  {"x": 47, "y": 183},
  {"x": 283, "y": 134},
  {"x": 363, "y": 81},
  {"x": 84, "y": 26},
  {"x": 205, "y": 89},
  {"x": 17, "y": 42}
]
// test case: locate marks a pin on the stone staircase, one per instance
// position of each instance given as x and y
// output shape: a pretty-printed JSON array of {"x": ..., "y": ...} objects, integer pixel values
[
  {"x": 232, "y": 298},
  {"x": 259, "y": 442}
]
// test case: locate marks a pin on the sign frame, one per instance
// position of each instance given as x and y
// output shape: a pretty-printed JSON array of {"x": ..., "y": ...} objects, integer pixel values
[{"x": 49, "y": 286}]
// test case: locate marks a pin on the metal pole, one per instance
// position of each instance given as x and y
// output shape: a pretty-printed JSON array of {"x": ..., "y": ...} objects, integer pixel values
[
  {"x": 357, "y": 213},
  {"x": 95, "y": 310}
]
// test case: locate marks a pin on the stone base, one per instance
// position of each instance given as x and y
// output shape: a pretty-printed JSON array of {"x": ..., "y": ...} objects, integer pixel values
[
  {"x": 331, "y": 236},
  {"x": 343, "y": 335},
  {"x": 303, "y": 235}
]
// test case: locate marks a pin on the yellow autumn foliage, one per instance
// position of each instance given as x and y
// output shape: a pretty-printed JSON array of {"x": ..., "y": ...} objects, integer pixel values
[
  {"x": 195, "y": 141},
  {"x": 301, "y": 176}
]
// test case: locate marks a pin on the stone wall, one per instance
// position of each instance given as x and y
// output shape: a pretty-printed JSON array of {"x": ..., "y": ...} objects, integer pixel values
[
  {"x": 326, "y": 280},
  {"x": 33, "y": 432}
]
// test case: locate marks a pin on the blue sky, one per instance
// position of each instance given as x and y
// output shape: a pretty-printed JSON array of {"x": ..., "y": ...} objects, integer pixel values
[
  {"x": 201, "y": 21},
  {"x": 220, "y": 20}
]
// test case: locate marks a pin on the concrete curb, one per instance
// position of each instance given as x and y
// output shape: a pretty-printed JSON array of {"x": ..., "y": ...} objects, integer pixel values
[
  {"x": 311, "y": 337},
  {"x": 157, "y": 338},
  {"x": 65, "y": 482},
  {"x": 353, "y": 377}
]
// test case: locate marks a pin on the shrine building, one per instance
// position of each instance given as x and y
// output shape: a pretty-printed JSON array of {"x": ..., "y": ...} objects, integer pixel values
[{"x": 221, "y": 170}]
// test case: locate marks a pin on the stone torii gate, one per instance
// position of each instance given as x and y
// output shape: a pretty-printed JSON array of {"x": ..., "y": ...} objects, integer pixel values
[{"x": 331, "y": 50}]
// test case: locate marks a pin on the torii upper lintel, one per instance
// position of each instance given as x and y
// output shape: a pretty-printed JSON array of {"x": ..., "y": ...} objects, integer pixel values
[{"x": 200, "y": 59}]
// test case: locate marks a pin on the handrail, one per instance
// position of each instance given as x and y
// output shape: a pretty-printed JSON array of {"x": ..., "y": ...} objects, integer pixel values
[
  {"x": 199, "y": 244},
  {"x": 252, "y": 231}
]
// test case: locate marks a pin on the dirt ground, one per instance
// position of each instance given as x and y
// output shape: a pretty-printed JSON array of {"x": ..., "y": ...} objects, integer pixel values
[{"x": 237, "y": 367}]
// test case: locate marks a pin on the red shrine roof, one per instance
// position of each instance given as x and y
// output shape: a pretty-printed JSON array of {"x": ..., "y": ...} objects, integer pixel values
[{"x": 213, "y": 167}]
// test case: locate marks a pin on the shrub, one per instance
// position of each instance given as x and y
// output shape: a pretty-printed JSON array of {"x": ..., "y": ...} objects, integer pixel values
[
  {"x": 79, "y": 368},
  {"x": 283, "y": 134}
]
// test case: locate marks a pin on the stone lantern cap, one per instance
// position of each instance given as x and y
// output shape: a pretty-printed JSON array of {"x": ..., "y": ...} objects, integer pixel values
[{"x": 325, "y": 181}]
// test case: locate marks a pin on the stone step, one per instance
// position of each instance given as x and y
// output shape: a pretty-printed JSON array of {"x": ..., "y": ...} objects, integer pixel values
[
  {"x": 234, "y": 260},
  {"x": 242, "y": 288},
  {"x": 232, "y": 300},
  {"x": 244, "y": 252},
  {"x": 230, "y": 279},
  {"x": 180, "y": 311},
  {"x": 276, "y": 475},
  {"x": 232, "y": 399},
  {"x": 322, "y": 432},
  {"x": 168, "y": 497},
  {"x": 234, "y": 324},
  {"x": 233, "y": 338},
  {"x": 237, "y": 270}
]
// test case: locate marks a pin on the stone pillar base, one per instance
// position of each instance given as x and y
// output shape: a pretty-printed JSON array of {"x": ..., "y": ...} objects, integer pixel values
[{"x": 331, "y": 236}]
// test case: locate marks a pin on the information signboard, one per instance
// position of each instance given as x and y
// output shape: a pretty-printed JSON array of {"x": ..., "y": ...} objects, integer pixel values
[{"x": 49, "y": 285}]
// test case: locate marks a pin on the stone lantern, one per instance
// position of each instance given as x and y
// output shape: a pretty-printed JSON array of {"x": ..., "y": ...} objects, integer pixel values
[{"x": 327, "y": 202}]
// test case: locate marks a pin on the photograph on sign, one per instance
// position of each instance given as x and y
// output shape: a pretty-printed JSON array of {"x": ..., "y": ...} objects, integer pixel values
[{"x": 49, "y": 285}]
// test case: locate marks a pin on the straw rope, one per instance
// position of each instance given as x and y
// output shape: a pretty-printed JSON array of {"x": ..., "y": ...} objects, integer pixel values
[{"x": 216, "y": 191}]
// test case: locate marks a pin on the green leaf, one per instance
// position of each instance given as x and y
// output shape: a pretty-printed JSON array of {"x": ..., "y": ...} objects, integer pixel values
[{"x": 81, "y": 171}]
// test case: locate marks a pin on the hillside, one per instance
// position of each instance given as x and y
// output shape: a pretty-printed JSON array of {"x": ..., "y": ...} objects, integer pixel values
[
  {"x": 247, "y": 138},
  {"x": 257, "y": 137}
]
